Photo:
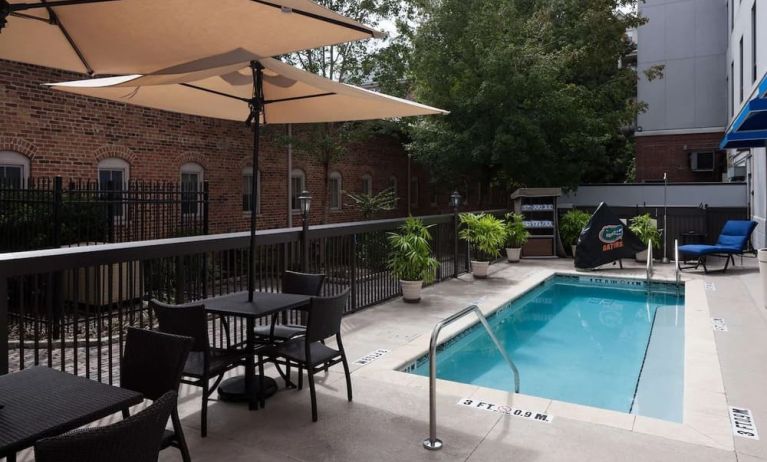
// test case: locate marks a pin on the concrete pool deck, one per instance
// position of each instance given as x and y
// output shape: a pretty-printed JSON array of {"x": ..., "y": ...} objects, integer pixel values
[{"x": 388, "y": 418}]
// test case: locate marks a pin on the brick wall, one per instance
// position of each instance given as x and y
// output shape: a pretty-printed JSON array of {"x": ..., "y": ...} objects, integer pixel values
[
  {"x": 671, "y": 153},
  {"x": 67, "y": 135}
]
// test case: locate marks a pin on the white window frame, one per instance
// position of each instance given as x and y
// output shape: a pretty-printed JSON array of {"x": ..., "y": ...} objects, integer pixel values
[
  {"x": 393, "y": 184},
  {"x": 16, "y": 159},
  {"x": 338, "y": 191},
  {"x": 116, "y": 164},
  {"x": 367, "y": 184},
  {"x": 296, "y": 173},
  {"x": 191, "y": 168},
  {"x": 248, "y": 171}
]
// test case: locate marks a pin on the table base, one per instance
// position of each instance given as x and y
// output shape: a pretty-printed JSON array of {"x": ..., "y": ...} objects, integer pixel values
[{"x": 233, "y": 389}]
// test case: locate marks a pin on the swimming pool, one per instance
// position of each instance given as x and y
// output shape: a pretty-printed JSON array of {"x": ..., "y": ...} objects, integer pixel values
[{"x": 602, "y": 342}]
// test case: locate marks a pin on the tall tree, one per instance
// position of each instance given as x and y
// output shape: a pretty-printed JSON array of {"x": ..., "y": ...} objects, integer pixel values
[{"x": 535, "y": 90}]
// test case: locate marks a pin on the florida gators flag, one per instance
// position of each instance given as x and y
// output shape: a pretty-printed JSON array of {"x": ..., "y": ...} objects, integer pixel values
[{"x": 605, "y": 239}]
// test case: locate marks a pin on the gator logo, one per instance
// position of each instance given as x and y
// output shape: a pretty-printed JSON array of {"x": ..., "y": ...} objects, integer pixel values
[{"x": 611, "y": 233}]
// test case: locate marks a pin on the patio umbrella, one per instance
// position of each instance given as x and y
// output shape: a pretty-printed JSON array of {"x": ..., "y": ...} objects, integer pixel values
[
  {"x": 238, "y": 85},
  {"x": 141, "y": 36}
]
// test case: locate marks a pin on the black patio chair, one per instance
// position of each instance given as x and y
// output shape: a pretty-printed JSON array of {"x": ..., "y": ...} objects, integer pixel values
[
  {"x": 308, "y": 352},
  {"x": 292, "y": 283},
  {"x": 204, "y": 362},
  {"x": 135, "y": 439},
  {"x": 152, "y": 363}
]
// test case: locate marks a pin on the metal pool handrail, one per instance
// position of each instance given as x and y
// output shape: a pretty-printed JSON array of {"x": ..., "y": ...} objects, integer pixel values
[
  {"x": 678, "y": 270},
  {"x": 432, "y": 442},
  {"x": 650, "y": 268}
]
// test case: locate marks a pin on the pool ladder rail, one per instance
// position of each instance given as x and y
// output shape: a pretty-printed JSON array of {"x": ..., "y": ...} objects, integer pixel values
[{"x": 432, "y": 442}]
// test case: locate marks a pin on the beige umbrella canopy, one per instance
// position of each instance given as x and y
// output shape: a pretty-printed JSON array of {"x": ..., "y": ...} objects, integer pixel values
[
  {"x": 238, "y": 85},
  {"x": 222, "y": 87},
  {"x": 130, "y": 36}
]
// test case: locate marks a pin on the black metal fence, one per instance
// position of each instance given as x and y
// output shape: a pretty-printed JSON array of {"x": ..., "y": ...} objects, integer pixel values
[
  {"x": 68, "y": 308},
  {"x": 42, "y": 213}
]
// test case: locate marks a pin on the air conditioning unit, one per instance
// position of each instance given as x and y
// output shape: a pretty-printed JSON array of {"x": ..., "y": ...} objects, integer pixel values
[
  {"x": 736, "y": 173},
  {"x": 702, "y": 161}
]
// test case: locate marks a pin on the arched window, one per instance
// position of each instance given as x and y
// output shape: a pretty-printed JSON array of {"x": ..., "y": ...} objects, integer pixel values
[
  {"x": 114, "y": 174},
  {"x": 393, "y": 184},
  {"x": 297, "y": 185},
  {"x": 191, "y": 186},
  {"x": 14, "y": 169},
  {"x": 247, "y": 190},
  {"x": 335, "y": 187},
  {"x": 367, "y": 184}
]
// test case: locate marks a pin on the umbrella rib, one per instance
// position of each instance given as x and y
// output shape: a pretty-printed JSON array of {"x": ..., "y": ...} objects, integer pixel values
[
  {"x": 215, "y": 92},
  {"x": 55, "y": 20},
  {"x": 282, "y": 100},
  {"x": 27, "y": 16},
  {"x": 318, "y": 17}
]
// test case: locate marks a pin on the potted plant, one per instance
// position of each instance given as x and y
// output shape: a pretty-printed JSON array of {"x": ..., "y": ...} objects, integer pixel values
[
  {"x": 485, "y": 234},
  {"x": 516, "y": 236},
  {"x": 646, "y": 229},
  {"x": 571, "y": 225},
  {"x": 410, "y": 259}
]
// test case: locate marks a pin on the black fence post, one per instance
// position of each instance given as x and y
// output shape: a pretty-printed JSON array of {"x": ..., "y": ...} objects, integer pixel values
[
  {"x": 455, "y": 242},
  {"x": 111, "y": 211},
  {"x": 4, "y": 327},
  {"x": 305, "y": 246},
  {"x": 205, "y": 211},
  {"x": 354, "y": 272},
  {"x": 57, "y": 199}
]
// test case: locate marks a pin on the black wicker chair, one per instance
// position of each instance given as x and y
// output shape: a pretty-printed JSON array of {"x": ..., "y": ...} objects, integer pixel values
[
  {"x": 152, "y": 363},
  {"x": 205, "y": 362},
  {"x": 292, "y": 283},
  {"x": 308, "y": 352},
  {"x": 135, "y": 439}
]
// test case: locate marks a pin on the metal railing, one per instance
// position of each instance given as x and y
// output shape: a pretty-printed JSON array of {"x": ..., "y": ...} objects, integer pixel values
[
  {"x": 650, "y": 266},
  {"x": 677, "y": 267},
  {"x": 69, "y": 308},
  {"x": 432, "y": 442}
]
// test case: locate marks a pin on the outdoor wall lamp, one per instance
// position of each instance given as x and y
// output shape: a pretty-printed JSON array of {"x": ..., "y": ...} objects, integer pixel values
[
  {"x": 455, "y": 199},
  {"x": 304, "y": 202}
]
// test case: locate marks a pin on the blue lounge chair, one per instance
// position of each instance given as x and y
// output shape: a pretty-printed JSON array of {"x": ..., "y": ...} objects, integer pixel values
[{"x": 732, "y": 241}]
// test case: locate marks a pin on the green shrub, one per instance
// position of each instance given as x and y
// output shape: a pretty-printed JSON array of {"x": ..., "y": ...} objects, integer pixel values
[
  {"x": 645, "y": 229},
  {"x": 572, "y": 224},
  {"x": 484, "y": 233},
  {"x": 410, "y": 258},
  {"x": 516, "y": 234}
]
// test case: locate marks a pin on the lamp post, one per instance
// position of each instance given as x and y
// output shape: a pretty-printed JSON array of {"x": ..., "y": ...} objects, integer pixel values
[
  {"x": 304, "y": 203},
  {"x": 455, "y": 202}
]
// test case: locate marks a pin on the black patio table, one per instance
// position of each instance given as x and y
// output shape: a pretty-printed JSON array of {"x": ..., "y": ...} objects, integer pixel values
[
  {"x": 247, "y": 387},
  {"x": 40, "y": 402}
]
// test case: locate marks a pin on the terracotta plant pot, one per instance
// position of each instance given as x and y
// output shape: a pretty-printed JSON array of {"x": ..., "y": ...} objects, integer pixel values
[
  {"x": 513, "y": 254},
  {"x": 479, "y": 269},
  {"x": 411, "y": 290}
]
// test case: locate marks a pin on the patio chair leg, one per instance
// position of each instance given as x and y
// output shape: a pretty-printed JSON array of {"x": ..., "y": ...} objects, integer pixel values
[
  {"x": 348, "y": 376},
  {"x": 126, "y": 413},
  {"x": 179, "y": 436},
  {"x": 261, "y": 391},
  {"x": 727, "y": 263},
  {"x": 204, "y": 410},
  {"x": 300, "y": 378},
  {"x": 312, "y": 393},
  {"x": 703, "y": 262}
]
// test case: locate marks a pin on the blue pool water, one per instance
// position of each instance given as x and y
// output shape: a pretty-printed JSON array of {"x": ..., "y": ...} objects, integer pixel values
[{"x": 587, "y": 340}]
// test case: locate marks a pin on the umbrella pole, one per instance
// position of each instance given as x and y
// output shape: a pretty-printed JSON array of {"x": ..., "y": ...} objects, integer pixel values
[{"x": 256, "y": 106}]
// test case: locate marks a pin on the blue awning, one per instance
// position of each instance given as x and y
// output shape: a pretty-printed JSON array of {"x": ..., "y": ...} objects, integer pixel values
[{"x": 749, "y": 129}]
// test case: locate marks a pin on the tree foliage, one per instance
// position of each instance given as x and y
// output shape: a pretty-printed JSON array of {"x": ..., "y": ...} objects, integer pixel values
[{"x": 534, "y": 89}]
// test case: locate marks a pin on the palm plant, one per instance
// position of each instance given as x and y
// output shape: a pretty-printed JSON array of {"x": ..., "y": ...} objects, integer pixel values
[
  {"x": 370, "y": 205},
  {"x": 516, "y": 233},
  {"x": 410, "y": 258},
  {"x": 645, "y": 228},
  {"x": 484, "y": 233},
  {"x": 572, "y": 224}
]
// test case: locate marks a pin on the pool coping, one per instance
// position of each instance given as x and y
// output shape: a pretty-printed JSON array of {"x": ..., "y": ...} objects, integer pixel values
[{"x": 705, "y": 418}]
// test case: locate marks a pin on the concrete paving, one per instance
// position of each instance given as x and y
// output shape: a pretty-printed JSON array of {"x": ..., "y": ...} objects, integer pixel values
[{"x": 388, "y": 418}]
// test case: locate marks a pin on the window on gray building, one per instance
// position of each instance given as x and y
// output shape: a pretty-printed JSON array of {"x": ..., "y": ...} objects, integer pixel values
[{"x": 753, "y": 42}]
